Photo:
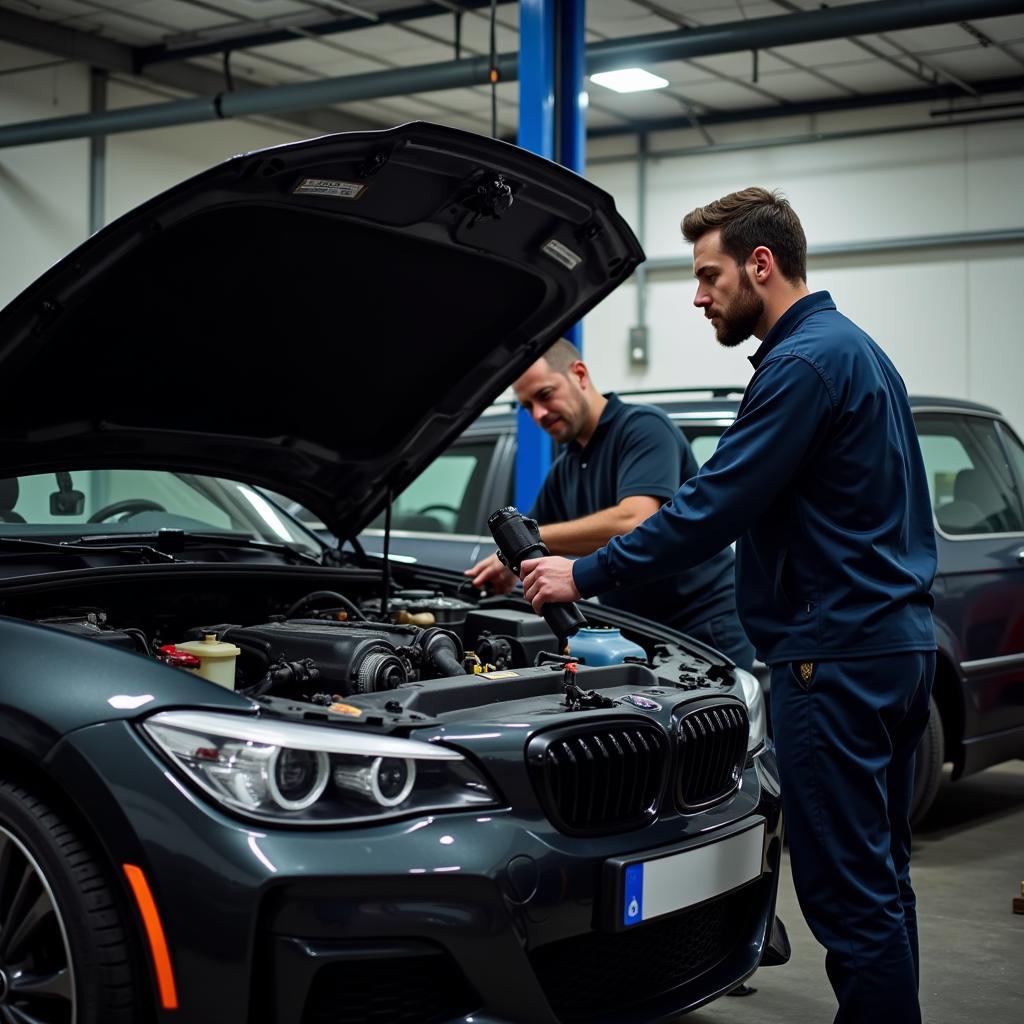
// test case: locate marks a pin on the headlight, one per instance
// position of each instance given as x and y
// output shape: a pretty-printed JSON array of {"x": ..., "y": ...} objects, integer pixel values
[
  {"x": 754, "y": 699},
  {"x": 314, "y": 775}
]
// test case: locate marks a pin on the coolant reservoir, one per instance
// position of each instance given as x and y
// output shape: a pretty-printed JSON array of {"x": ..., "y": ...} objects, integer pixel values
[
  {"x": 216, "y": 659},
  {"x": 603, "y": 645}
]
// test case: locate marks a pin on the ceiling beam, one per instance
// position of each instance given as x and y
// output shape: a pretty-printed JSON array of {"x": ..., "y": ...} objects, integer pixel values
[
  {"x": 108, "y": 55},
  {"x": 149, "y": 55},
  {"x": 728, "y": 37},
  {"x": 864, "y": 101}
]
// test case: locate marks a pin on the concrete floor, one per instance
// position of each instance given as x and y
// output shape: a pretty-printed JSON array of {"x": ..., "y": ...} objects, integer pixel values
[{"x": 967, "y": 866}]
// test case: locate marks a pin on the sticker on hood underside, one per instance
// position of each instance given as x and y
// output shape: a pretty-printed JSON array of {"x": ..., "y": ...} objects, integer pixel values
[
  {"x": 499, "y": 675},
  {"x": 329, "y": 187},
  {"x": 562, "y": 254}
]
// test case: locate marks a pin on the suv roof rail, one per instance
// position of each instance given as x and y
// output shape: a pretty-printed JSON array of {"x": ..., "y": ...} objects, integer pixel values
[
  {"x": 506, "y": 405},
  {"x": 714, "y": 392}
]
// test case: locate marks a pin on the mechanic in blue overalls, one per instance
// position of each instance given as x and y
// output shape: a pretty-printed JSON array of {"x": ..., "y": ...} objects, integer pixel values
[{"x": 821, "y": 481}]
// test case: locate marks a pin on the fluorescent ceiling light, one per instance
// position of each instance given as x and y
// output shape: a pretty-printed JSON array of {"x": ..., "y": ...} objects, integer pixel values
[{"x": 629, "y": 80}]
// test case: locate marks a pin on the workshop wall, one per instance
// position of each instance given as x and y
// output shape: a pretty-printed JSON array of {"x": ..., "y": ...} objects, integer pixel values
[
  {"x": 44, "y": 190},
  {"x": 947, "y": 314},
  {"x": 141, "y": 164}
]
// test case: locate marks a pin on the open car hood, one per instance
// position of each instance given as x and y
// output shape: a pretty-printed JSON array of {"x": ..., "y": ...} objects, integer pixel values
[{"x": 321, "y": 318}]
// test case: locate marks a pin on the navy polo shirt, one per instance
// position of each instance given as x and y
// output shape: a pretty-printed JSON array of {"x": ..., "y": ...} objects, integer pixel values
[
  {"x": 821, "y": 480},
  {"x": 636, "y": 449}
]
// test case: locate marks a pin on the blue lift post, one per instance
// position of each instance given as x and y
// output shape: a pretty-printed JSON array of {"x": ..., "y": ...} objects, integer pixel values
[{"x": 552, "y": 102}]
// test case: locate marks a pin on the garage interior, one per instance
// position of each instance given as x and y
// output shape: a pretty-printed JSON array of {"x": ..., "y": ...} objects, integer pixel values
[{"x": 896, "y": 128}]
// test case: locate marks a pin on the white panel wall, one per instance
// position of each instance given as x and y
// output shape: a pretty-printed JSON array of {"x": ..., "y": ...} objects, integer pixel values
[
  {"x": 946, "y": 315},
  {"x": 141, "y": 164},
  {"x": 44, "y": 189},
  {"x": 44, "y": 197}
]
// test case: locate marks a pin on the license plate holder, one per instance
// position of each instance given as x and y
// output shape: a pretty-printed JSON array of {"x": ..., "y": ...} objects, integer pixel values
[{"x": 642, "y": 889}]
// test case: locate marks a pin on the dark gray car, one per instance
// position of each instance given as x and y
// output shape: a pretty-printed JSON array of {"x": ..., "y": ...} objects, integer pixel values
[
  {"x": 975, "y": 466},
  {"x": 249, "y": 777}
]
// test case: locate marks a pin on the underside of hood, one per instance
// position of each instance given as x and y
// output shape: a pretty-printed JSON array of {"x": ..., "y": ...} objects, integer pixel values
[{"x": 321, "y": 318}]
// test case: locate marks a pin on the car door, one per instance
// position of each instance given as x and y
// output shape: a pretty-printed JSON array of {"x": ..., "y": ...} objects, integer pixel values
[{"x": 979, "y": 588}]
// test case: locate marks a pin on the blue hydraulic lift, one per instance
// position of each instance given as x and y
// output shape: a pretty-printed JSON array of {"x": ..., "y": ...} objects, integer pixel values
[{"x": 551, "y": 122}]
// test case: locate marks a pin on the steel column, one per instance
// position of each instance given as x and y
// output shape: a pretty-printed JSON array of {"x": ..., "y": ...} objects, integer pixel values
[{"x": 552, "y": 101}]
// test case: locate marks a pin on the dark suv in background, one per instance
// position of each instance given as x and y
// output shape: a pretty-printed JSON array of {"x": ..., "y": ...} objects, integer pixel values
[{"x": 975, "y": 467}]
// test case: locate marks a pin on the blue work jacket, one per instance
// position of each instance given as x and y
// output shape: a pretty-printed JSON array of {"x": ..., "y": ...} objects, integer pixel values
[{"x": 821, "y": 481}]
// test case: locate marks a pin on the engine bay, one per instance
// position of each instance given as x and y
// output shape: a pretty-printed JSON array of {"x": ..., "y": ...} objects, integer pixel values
[{"x": 326, "y": 646}]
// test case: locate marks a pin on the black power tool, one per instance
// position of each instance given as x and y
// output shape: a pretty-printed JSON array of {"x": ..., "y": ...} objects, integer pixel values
[{"x": 518, "y": 539}]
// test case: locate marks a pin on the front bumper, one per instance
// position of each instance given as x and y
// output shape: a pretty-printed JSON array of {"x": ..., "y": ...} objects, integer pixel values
[{"x": 432, "y": 919}]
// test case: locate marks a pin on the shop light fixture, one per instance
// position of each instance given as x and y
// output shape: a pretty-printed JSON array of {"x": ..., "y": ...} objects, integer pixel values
[{"x": 629, "y": 80}]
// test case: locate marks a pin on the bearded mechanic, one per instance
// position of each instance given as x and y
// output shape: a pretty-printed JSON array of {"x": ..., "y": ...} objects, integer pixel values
[{"x": 821, "y": 481}]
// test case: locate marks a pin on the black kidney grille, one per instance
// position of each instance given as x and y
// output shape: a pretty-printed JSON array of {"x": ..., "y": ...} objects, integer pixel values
[
  {"x": 712, "y": 743},
  {"x": 599, "y": 780},
  {"x": 601, "y": 976}
]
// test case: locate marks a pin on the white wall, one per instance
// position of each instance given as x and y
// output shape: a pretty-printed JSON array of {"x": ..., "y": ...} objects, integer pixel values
[
  {"x": 947, "y": 316},
  {"x": 142, "y": 164},
  {"x": 44, "y": 189}
]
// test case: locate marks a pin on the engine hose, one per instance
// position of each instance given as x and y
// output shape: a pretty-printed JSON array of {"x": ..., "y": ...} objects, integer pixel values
[
  {"x": 317, "y": 595},
  {"x": 443, "y": 651}
]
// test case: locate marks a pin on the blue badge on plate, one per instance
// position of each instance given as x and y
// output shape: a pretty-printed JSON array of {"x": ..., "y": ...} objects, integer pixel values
[{"x": 633, "y": 908}]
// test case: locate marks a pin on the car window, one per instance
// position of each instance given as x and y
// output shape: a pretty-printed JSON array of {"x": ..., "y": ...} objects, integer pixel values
[
  {"x": 703, "y": 438},
  {"x": 128, "y": 500},
  {"x": 703, "y": 446},
  {"x": 445, "y": 497},
  {"x": 1015, "y": 450},
  {"x": 969, "y": 482}
]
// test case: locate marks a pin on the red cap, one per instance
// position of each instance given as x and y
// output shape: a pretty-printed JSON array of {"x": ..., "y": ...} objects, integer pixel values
[{"x": 170, "y": 655}]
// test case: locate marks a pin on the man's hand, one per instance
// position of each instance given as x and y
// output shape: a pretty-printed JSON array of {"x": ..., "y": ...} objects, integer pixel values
[
  {"x": 489, "y": 572},
  {"x": 548, "y": 581}
]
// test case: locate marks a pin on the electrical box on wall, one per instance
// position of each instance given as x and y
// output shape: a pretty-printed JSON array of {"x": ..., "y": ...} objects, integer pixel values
[{"x": 638, "y": 345}]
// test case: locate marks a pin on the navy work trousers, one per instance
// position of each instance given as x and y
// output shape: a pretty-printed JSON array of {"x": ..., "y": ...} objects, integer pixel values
[{"x": 846, "y": 733}]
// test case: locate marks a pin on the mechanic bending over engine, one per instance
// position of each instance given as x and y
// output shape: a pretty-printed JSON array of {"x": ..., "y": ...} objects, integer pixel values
[
  {"x": 619, "y": 463},
  {"x": 821, "y": 480}
]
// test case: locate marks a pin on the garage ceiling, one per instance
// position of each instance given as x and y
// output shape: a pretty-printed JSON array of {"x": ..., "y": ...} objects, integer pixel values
[{"x": 205, "y": 46}]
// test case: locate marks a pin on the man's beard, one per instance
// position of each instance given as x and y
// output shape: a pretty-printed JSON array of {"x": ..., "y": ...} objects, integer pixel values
[{"x": 739, "y": 321}]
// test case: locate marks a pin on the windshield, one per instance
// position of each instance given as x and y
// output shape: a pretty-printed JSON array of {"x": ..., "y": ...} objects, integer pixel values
[{"x": 130, "y": 501}]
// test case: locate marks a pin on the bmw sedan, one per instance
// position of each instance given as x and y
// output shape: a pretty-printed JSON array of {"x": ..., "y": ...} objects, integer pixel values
[{"x": 250, "y": 777}]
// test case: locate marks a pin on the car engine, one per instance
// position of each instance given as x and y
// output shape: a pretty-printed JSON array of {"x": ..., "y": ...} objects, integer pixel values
[{"x": 326, "y": 647}]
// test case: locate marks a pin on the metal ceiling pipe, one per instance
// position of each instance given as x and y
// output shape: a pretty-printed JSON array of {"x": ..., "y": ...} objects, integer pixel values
[
  {"x": 758, "y": 33},
  {"x": 862, "y": 101}
]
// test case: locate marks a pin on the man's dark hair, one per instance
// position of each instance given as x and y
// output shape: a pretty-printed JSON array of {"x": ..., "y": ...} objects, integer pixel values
[
  {"x": 749, "y": 218},
  {"x": 562, "y": 355}
]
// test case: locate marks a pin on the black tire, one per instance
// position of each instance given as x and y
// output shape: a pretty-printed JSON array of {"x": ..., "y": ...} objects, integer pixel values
[
  {"x": 928, "y": 766},
  {"x": 64, "y": 952}
]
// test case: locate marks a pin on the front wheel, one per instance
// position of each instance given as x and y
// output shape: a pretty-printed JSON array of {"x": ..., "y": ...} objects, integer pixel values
[
  {"x": 64, "y": 955},
  {"x": 928, "y": 765}
]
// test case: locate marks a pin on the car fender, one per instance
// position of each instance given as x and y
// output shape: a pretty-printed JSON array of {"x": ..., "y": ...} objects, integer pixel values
[{"x": 52, "y": 683}]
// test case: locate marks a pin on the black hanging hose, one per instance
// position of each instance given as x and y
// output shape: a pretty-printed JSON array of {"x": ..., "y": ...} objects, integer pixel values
[{"x": 387, "y": 557}]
